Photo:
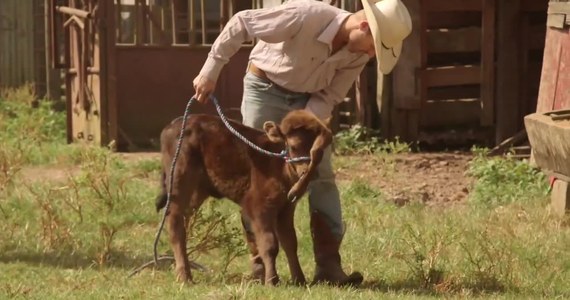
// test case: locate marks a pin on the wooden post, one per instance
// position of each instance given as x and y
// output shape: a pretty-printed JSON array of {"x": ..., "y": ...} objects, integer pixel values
[
  {"x": 53, "y": 78},
  {"x": 560, "y": 197},
  {"x": 488, "y": 63},
  {"x": 407, "y": 90},
  {"x": 141, "y": 26},
  {"x": 508, "y": 69},
  {"x": 108, "y": 73}
]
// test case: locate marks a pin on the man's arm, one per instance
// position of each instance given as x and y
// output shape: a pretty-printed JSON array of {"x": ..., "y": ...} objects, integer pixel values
[
  {"x": 322, "y": 103},
  {"x": 272, "y": 25}
]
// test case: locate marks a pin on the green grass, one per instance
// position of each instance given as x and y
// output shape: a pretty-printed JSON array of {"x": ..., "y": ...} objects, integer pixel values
[{"x": 79, "y": 237}]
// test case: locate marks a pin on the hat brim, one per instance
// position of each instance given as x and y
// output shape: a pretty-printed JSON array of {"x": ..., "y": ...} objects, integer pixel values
[{"x": 386, "y": 57}]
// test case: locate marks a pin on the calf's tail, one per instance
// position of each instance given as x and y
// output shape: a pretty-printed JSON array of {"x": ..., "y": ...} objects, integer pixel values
[{"x": 161, "y": 199}]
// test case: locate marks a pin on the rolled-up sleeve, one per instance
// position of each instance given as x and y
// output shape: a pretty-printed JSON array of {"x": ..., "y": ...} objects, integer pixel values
[
  {"x": 322, "y": 103},
  {"x": 271, "y": 25}
]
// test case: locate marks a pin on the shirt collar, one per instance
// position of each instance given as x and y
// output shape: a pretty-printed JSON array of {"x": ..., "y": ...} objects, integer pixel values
[{"x": 330, "y": 31}]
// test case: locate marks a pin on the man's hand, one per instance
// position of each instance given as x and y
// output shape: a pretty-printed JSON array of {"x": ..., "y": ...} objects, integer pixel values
[{"x": 203, "y": 87}]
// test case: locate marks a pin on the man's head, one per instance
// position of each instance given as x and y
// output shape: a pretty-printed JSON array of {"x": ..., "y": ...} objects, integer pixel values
[
  {"x": 379, "y": 30},
  {"x": 359, "y": 37}
]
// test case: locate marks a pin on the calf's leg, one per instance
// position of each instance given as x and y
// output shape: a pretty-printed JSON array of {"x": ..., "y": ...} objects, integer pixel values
[
  {"x": 187, "y": 197},
  {"x": 177, "y": 230},
  {"x": 267, "y": 244},
  {"x": 257, "y": 268},
  {"x": 288, "y": 240}
]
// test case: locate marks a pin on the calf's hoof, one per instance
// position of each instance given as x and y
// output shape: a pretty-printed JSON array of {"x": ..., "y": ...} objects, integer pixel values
[
  {"x": 272, "y": 281},
  {"x": 299, "y": 281},
  {"x": 354, "y": 279},
  {"x": 258, "y": 272},
  {"x": 183, "y": 276}
]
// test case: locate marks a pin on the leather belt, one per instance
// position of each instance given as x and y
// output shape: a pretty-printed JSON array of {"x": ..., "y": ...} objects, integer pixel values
[
  {"x": 257, "y": 72},
  {"x": 253, "y": 69}
]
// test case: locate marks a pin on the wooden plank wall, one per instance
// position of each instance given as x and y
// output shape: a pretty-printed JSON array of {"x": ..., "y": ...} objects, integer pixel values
[
  {"x": 17, "y": 63},
  {"x": 455, "y": 72}
]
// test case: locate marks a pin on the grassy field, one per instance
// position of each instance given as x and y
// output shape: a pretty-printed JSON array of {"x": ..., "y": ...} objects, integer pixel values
[{"x": 75, "y": 221}]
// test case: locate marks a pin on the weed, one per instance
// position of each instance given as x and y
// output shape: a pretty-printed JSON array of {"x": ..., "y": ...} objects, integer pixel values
[
  {"x": 488, "y": 259},
  {"x": 422, "y": 253},
  {"x": 56, "y": 232},
  {"x": 145, "y": 167},
  {"x": 10, "y": 165},
  {"x": 359, "y": 188},
  {"x": 210, "y": 230}
]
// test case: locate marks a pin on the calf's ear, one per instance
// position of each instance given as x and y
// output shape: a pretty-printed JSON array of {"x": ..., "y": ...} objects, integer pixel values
[
  {"x": 322, "y": 141},
  {"x": 328, "y": 122},
  {"x": 273, "y": 132}
]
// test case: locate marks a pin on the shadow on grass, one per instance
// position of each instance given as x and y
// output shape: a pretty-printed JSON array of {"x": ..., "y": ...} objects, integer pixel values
[
  {"x": 128, "y": 261},
  {"x": 412, "y": 286},
  {"x": 77, "y": 260}
]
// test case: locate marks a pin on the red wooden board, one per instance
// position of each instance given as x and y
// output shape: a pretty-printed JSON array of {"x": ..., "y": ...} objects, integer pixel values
[{"x": 554, "y": 92}]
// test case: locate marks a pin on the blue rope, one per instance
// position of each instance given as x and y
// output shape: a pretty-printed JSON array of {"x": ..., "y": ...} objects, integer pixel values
[{"x": 282, "y": 154}]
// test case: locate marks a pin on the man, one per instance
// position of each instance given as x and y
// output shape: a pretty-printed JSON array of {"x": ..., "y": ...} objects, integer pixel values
[{"x": 308, "y": 55}]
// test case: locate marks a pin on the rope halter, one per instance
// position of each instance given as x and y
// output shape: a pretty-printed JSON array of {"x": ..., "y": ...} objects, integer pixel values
[{"x": 283, "y": 154}]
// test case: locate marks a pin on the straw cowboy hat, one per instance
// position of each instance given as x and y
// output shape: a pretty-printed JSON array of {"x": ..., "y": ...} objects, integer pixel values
[{"x": 390, "y": 23}]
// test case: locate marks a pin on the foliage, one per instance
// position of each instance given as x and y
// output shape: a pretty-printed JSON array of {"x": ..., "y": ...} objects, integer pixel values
[
  {"x": 362, "y": 140},
  {"x": 504, "y": 180},
  {"x": 32, "y": 132}
]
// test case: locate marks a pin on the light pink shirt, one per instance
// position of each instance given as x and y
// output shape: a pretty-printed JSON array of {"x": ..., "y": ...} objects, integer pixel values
[{"x": 294, "y": 49}]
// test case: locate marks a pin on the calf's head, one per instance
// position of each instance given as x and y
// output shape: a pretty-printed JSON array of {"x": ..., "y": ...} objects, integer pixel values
[{"x": 304, "y": 135}]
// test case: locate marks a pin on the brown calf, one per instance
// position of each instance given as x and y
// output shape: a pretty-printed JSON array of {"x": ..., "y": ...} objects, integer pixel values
[{"x": 213, "y": 162}]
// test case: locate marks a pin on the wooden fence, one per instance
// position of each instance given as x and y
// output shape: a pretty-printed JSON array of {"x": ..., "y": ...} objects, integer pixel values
[{"x": 469, "y": 72}]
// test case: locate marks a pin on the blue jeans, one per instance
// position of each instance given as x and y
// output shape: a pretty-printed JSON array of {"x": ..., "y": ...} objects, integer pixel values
[{"x": 262, "y": 102}]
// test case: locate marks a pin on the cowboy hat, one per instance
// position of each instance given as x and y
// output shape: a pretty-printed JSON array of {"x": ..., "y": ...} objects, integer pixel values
[{"x": 390, "y": 23}]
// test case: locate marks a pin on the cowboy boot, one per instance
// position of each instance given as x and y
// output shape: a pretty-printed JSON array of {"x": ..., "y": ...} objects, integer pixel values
[
  {"x": 327, "y": 258},
  {"x": 257, "y": 267}
]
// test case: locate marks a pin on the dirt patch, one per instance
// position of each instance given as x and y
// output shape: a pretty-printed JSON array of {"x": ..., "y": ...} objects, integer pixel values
[
  {"x": 138, "y": 156},
  {"x": 431, "y": 178},
  {"x": 48, "y": 173},
  {"x": 62, "y": 173}
]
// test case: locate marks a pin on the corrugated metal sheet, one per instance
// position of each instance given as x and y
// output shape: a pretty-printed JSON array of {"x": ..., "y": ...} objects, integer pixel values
[{"x": 17, "y": 34}]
